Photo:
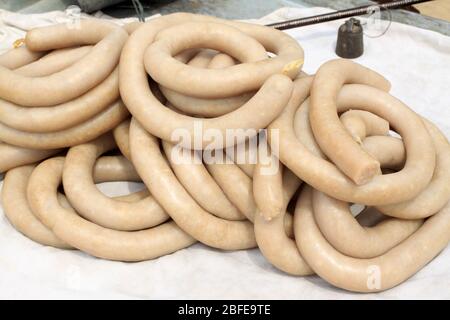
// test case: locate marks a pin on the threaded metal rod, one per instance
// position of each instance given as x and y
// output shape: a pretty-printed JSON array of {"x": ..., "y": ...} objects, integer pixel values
[{"x": 346, "y": 13}]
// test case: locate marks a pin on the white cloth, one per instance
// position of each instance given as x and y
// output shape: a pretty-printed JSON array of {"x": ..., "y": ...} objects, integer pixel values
[
  {"x": 14, "y": 25},
  {"x": 416, "y": 61}
]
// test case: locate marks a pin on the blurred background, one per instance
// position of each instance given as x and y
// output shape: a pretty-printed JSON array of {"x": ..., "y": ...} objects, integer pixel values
[
  {"x": 238, "y": 9},
  {"x": 433, "y": 15}
]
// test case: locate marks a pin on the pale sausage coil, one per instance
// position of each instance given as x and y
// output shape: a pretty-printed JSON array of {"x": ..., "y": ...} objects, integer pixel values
[
  {"x": 67, "y": 97},
  {"x": 328, "y": 136}
]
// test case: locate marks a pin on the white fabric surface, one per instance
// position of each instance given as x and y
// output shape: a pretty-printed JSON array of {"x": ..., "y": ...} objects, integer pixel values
[{"x": 416, "y": 61}]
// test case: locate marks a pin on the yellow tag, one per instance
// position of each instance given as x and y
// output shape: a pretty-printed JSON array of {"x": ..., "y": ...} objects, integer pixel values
[
  {"x": 292, "y": 67},
  {"x": 18, "y": 43}
]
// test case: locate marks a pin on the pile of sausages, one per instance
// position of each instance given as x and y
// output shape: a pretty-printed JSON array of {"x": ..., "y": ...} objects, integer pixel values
[
  {"x": 61, "y": 89},
  {"x": 342, "y": 140}
]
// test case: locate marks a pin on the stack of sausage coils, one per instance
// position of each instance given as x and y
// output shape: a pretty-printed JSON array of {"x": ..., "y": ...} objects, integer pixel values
[{"x": 99, "y": 103}]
